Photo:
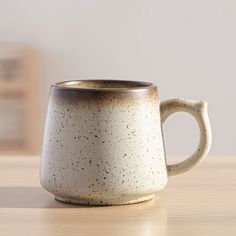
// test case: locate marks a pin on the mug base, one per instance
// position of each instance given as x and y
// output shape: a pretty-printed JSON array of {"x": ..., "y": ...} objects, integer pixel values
[{"x": 110, "y": 202}]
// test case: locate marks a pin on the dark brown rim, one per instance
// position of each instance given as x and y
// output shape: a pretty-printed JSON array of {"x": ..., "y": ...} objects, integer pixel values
[{"x": 137, "y": 85}]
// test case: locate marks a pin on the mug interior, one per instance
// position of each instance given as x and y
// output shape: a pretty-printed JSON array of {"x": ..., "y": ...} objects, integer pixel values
[{"x": 103, "y": 84}]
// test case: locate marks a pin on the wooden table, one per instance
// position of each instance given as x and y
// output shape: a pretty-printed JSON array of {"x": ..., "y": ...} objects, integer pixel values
[{"x": 201, "y": 202}]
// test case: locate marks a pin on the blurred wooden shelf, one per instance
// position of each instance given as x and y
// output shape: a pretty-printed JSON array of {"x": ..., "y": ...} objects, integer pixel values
[{"x": 19, "y": 100}]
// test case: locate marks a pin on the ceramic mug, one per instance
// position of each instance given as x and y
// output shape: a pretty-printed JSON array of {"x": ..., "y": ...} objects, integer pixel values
[{"x": 103, "y": 142}]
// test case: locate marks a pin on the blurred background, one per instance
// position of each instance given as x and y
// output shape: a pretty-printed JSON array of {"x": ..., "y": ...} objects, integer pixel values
[{"x": 187, "y": 47}]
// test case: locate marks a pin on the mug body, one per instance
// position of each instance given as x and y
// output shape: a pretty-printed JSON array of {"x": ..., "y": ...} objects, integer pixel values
[{"x": 103, "y": 143}]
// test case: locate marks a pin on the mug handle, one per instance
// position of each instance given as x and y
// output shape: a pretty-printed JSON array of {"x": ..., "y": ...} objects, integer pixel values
[{"x": 198, "y": 109}]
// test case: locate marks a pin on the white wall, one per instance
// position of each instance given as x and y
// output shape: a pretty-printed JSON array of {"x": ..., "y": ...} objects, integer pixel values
[{"x": 188, "y": 47}]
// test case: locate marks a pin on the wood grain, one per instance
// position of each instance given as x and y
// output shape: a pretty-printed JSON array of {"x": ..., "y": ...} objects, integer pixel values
[{"x": 201, "y": 202}]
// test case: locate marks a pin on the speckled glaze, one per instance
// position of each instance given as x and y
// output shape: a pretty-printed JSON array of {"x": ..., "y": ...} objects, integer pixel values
[{"x": 103, "y": 143}]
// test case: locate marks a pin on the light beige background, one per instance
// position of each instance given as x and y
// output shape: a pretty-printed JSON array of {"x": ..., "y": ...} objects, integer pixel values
[{"x": 188, "y": 47}]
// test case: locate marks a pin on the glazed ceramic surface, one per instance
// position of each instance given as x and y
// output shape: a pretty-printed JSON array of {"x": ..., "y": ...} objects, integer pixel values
[{"x": 103, "y": 142}]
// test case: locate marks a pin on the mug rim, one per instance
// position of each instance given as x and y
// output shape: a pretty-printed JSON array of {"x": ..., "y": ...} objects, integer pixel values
[{"x": 128, "y": 85}]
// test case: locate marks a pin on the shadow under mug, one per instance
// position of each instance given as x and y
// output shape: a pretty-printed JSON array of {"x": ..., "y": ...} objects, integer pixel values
[{"x": 103, "y": 141}]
